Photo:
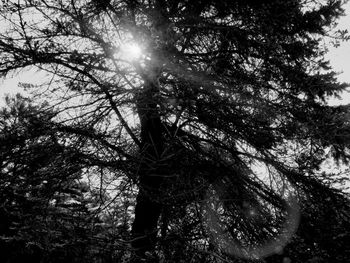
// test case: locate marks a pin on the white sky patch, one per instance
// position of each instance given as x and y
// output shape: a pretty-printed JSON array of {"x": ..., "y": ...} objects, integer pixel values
[
  {"x": 10, "y": 86},
  {"x": 340, "y": 58}
]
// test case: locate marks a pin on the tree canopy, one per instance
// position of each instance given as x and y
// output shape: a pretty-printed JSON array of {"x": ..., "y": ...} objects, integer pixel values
[{"x": 173, "y": 131}]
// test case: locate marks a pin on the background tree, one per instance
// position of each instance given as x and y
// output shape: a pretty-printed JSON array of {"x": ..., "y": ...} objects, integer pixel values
[
  {"x": 215, "y": 110},
  {"x": 49, "y": 210}
]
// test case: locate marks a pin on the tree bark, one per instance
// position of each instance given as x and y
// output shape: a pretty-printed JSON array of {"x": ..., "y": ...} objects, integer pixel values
[{"x": 148, "y": 208}]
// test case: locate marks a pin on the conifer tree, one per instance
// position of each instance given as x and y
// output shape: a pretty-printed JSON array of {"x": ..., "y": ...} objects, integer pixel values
[{"x": 215, "y": 111}]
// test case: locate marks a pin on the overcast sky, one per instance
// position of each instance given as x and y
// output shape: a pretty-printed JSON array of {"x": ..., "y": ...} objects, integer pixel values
[{"x": 339, "y": 57}]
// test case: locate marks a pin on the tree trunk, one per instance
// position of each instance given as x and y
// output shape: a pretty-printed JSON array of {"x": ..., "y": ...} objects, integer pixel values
[{"x": 148, "y": 208}]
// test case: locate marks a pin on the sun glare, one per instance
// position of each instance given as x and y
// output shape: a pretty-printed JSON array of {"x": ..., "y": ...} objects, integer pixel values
[{"x": 131, "y": 51}]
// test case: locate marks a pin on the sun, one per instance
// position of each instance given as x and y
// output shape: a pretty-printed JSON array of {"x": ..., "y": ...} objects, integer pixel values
[{"x": 131, "y": 51}]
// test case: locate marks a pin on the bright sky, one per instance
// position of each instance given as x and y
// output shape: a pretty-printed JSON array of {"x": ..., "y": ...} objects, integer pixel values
[{"x": 339, "y": 58}]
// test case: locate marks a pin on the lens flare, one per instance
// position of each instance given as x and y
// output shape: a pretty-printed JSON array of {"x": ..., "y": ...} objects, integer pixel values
[{"x": 231, "y": 240}]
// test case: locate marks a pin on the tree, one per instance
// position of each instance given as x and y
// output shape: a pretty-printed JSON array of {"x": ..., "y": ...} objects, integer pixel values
[
  {"x": 49, "y": 210},
  {"x": 215, "y": 110}
]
